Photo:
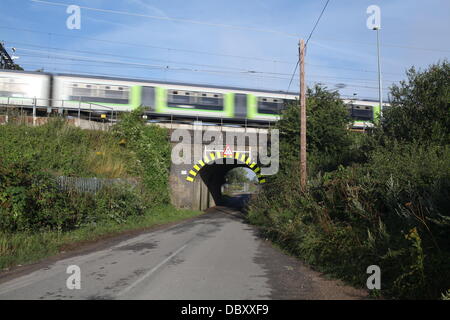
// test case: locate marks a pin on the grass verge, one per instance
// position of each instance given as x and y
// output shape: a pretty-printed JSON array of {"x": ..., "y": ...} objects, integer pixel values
[{"x": 28, "y": 247}]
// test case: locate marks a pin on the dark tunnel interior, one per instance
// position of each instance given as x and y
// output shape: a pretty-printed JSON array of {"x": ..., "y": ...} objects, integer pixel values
[{"x": 213, "y": 176}]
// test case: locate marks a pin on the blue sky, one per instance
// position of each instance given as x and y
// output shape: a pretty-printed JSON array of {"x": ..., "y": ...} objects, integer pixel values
[{"x": 341, "y": 51}]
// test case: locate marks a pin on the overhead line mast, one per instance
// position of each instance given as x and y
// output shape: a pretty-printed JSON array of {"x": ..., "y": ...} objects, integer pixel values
[{"x": 6, "y": 62}]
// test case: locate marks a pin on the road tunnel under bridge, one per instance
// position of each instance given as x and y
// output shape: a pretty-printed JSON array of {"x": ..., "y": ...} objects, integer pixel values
[
  {"x": 201, "y": 185},
  {"x": 206, "y": 154}
]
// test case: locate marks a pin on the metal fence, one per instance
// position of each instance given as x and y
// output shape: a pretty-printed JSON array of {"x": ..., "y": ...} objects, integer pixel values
[
  {"x": 107, "y": 113},
  {"x": 90, "y": 185}
]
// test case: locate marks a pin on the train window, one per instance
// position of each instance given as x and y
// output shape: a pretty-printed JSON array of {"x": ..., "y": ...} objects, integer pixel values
[
  {"x": 213, "y": 101},
  {"x": 82, "y": 90},
  {"x": 98, "y": 93},
  {"x": 177, "y": 97},
  {"x": 194, "y": 100},
  {"x": 270, "y": 105},
  {"x": 362, "y": 113},
  {"x": 13, "y": 88}
]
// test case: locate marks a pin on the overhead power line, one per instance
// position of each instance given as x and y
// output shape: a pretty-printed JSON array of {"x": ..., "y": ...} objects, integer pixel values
[
  {"x": 147, "y": 46},
  {"x": 186, "y": 63},
  {"x": 123, "y": 56},
  {"x": 315, "y": 25},
  {"x": 62, "y": 70},
  {"x": 62, "y": 56},
  {"x": 133, "y": 14},
  {"x": 221, "y": 25},
  {"x": 306, "y": 45},
  {"x": 190, "y": 51}
]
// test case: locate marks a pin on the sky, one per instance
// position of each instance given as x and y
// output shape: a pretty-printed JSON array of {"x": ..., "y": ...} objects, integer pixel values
[{"x": 240, "y": 43}]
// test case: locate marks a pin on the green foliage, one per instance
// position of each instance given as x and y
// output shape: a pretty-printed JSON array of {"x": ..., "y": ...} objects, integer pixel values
[
  {"x": 420, "y": 106},
  {"x": 327, "y": 135},
  {"x": 61, "y": 149},
  {"x": 31, "y": 158},
  {"x": 358, "y": 216},
  {"x": 380, "y": 199},
  {"x": 31, "y": 201},
  {"x": 152, "y": 148},
  {"x": 237, "y": 175}
]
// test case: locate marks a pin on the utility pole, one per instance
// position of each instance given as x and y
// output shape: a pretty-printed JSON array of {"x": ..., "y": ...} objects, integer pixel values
[{"x": 303, "y": 174}]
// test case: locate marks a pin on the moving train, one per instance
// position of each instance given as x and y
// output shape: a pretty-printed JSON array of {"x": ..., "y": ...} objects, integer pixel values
[{"x": 159, "y": 99}]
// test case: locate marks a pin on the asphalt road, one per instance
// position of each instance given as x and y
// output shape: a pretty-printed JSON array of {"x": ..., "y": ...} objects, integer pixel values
[{"x": 214, "y": 256}]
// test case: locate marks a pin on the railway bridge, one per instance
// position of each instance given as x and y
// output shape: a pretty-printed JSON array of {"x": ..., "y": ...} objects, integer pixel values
[{"x": 203, "y": 155}]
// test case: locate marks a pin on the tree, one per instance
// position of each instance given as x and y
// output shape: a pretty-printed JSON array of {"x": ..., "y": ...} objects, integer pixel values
[
  {"x": 327, "y": 134},
  {"x": 17, "y": 67},
  {"x": 420, "y": 109},
  {"x": 237, "y": 175}
]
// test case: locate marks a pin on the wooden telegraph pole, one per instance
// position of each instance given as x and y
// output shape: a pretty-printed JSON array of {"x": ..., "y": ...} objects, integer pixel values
[{"x": 303, "y": 174}]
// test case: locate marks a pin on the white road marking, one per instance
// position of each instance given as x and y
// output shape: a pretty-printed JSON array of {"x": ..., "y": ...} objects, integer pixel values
[{"x": 149, "y": 273}]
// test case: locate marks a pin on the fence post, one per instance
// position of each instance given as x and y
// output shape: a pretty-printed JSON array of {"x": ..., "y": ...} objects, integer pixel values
[
  {"x": 34, "y": 111},
  {"x": 7, "y": 110}
]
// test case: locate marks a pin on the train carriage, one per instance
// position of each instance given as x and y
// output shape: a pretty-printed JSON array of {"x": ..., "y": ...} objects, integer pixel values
[
  {"x": 25, "y": 88},
  {"x": 169, "y": 99},
  {"x": 159, "y": 99}
]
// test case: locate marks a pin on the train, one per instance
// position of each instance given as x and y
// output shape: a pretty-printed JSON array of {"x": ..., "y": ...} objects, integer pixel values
[{"x": 157, "y": 99}]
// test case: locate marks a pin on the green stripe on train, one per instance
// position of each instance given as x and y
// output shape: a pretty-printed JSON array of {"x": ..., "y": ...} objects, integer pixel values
[
  {"x": 160, "y": 99},
  {"x": 376, "y": 114},
  {"x": 135, "y": 98},
  {"x": 229, "y": 105},
  {"x": 252, "y": 108},
  {"x": 162, "y": 107}
]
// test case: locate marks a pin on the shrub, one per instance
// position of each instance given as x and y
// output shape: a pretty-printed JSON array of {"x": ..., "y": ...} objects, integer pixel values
[
  {"x": 420, "y": 109},
  {"x": 378, "y": 199},
  {"x": 31, "y": 158}
]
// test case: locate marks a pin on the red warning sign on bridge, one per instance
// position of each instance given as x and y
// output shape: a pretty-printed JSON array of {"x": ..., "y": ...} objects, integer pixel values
[{"x": 227, "y": 152}]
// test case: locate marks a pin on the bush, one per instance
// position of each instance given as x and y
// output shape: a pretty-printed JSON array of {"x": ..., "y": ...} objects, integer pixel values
[
  {"x": 420, "y": 109},
  {"x": 152, "y": 148},
  {"x": 327, "y": 135},
  {"x": 32, "y": 157},
  {"x": 369, "y": 214},
  {"x": 31, "y": 201},
  {"x": 380, "y": 199}
]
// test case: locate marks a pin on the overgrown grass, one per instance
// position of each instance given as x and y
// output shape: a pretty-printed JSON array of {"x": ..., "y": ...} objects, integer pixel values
[
  {"x": 28, "y": 247},
  {"x": 61, "y": 149},
  {"x": 37, "y": 218}
]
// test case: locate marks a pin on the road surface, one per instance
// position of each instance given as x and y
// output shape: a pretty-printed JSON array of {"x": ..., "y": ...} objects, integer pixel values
[{"x": 214, "y": 256}]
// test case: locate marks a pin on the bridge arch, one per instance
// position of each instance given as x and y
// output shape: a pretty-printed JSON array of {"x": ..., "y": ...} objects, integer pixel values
[{"x": 211, "y": 158}]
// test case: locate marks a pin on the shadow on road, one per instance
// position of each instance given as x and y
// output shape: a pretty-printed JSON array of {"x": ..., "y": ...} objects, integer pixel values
[{"x": 237, "y": 201}]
